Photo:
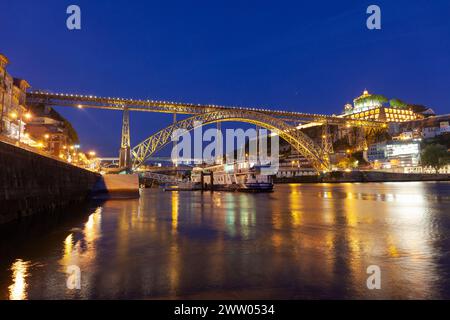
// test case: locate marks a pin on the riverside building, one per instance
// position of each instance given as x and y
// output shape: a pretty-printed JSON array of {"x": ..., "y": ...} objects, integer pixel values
[{"x": 13, "y": 111}]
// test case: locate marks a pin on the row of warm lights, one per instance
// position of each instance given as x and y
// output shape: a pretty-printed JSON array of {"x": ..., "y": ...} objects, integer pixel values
[
  {"x": 14, "y": 115},
  {"x": 172, "y": 103},
  {"x": 348, "y": 125},
  {"x": 109, "y": 98},
  {"x": 46, "y": 136},
  {"x": 179, "y": 104},
  {"x": 90, "y": 153}
]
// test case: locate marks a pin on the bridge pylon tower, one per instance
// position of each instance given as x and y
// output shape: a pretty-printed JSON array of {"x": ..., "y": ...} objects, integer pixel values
[
  {"x": 361, "y": 140},
  {"x": 125, "y": 145},
  {"x": 327, "y": 139}
]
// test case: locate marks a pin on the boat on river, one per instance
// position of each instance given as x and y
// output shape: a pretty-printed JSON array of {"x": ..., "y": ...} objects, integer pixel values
[{"x": 239, "y": 176}]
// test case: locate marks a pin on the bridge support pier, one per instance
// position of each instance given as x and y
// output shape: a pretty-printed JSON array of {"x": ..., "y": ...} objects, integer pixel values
[
  {"x": 174, "y": 144},
  {"x": 125, "y": 149},
  {"x": 327, "y": 141},
  {"x": 125, "y": 158},
  {"x": 361, "y": 141}
]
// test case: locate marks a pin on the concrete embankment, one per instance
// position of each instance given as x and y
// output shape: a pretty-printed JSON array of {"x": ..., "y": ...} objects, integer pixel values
[
  {"x": 31, "y": 183},
  {"x": 116, "y": 186},
  {"x": 380, "y": 176},
  {"x": 364, "y": 176}
]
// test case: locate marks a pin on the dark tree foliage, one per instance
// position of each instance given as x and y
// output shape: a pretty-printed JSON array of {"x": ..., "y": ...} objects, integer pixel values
[{"x": 435, "y": 155}]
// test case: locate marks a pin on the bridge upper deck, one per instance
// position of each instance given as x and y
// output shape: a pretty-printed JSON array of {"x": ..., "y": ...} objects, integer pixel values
[{"x": 109, "y": 103}]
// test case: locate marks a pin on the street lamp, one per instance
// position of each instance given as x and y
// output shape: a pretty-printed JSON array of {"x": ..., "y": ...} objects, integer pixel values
[{"x": 13, "y": 115}]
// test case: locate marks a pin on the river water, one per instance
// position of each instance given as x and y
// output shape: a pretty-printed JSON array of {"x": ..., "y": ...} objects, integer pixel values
[{"x": 301, "y": 241}]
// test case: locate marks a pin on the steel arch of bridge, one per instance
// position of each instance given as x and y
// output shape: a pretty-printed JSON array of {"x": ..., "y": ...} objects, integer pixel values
[{"x": 301, "y": 142}]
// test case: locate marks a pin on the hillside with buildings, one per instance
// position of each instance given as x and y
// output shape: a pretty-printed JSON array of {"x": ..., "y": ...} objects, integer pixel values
[
  {"x": 40, "y": 128},
  {"x": 396, "y": 148}
]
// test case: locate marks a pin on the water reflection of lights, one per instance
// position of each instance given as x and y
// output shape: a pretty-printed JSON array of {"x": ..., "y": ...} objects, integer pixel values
[
  {"x": 306, "y": 234},
  {"x": 68, "y": 249},
  {"x": 351, "y": 213},
  {"x": 72, "y": 244},
  {"x": 92, "y": 226},
  {"x": 90, "y": 223},
  {"x": 174, "y": 265},
  {"x": 327, "y": 195},
  {"x": 230, "y": 214},
  {"x": 247, "y": 214},
  {"x": 295, "y": 205},
  {"x": 17, "y": 291},
  {"x": 175, "y": 203},
  {"x": 68, "y": 245},
  {"x": 409, "y": 198}
]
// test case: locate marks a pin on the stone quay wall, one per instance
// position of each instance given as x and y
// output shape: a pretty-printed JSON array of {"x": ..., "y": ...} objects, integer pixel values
[{"x": 31, "y": 183}]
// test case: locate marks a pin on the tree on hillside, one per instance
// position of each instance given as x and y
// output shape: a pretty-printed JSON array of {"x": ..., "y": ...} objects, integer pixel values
[
  {"x": 436, "y": 156},
  {"x": 378, "y": 98},
  {"x": 348, "y": 163},
  {"x": 443, "y": 139},
  {"x": 397, "y": 103},
  {"x": 378, "y": 135},
  {"x": 374, "y": 98}
]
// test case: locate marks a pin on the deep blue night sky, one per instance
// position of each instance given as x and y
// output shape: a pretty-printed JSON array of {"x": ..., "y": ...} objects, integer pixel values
[{"x": 311, "y": 56}]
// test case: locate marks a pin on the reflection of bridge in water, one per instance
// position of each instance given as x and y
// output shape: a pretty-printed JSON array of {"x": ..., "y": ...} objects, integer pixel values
[{"x": 283, "y": 123}]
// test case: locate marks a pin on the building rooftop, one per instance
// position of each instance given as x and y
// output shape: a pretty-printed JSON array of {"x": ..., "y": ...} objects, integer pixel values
[
  {"x": 364, "y": 95},
  {"x": 21, "y": 83},
  {"x": 3, "y": 59}
]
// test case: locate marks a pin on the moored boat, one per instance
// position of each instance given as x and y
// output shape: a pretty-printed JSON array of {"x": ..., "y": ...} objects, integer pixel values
[{"x": 244, "y": 176}]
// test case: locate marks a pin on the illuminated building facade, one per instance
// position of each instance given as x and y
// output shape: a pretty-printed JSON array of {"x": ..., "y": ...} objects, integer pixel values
[
  {"x": 395, "y": 154},
  {"x": 428, "y": 128},
  {"x": 403, "y": 153},
  {"x": 50, "y": 129},
  {"x": 12, "y": 102},
  {"x": 371, "y": 107}
]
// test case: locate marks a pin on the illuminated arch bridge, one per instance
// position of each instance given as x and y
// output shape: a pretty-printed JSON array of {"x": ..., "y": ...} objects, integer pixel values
[
  {"x": 284, "y": 123},
  {"x": 301, "y": 142}
]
